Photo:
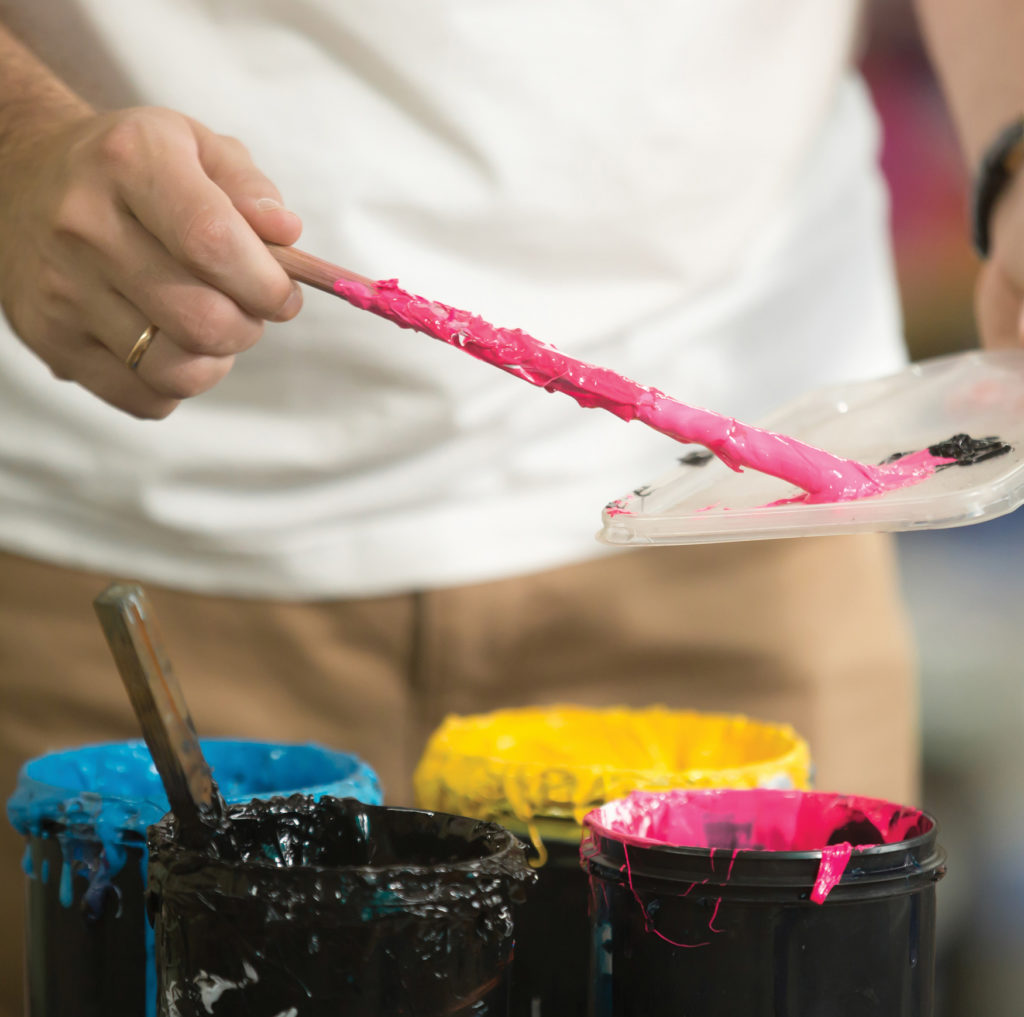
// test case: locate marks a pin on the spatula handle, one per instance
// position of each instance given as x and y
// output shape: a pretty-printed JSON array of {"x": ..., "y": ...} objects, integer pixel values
[
  {"x": 314, "y": 271},
  {"x": 129, "y": 625}
]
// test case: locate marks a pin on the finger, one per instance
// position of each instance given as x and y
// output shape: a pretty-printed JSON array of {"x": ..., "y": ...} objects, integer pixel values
[
  {"x": 164, "y": 366},
  {"x": 114, "y": 382},
  {"x": 83, "y": 359},
  {"x": 192, "y": 314},
  {"x": 161, "y": 181},
  {"x": 228, "y": 164},
  {"x": 269, "y": 218},
  {"x": 998, "y": 308}
]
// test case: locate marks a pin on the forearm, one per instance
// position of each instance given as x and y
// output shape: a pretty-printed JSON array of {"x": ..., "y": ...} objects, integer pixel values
[{"x": 976, "y": 46}]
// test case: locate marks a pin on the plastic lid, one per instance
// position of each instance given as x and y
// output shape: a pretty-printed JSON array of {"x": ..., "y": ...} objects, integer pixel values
[{"x": 979, "y": 393}]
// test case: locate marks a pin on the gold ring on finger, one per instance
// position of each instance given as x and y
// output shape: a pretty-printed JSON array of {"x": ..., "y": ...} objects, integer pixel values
[{"x": 141, "y": 345}]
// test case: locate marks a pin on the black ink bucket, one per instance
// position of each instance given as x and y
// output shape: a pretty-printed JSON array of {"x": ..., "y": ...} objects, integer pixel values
[
  {"x": 84, "y": 813},
  {"x": 318, "y": 909},
  {"x": 704, "y": 903},
  {"x": 552, "y": 930}
]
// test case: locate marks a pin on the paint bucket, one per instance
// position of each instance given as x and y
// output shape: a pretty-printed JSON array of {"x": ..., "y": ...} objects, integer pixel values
[
  {"x": 538, "y": 771},
  {"x": 334, "y": 907},
  {"x": 84, "y": 814},
  {"x": 761, "y": 904}
]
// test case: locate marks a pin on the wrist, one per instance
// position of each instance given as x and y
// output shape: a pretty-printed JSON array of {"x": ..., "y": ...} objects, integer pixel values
[
  {"x": 34, "y": 102},
  {"x": 27, "y": 119},
  {"x": 33, "y": 153}
]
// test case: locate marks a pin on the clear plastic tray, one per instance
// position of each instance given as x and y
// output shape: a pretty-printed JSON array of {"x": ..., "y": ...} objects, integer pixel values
[{"x": 980, "y": 393}]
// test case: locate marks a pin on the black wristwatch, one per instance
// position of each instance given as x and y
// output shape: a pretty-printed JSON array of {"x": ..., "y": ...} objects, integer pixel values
[{"x": 1000, "y": 162}]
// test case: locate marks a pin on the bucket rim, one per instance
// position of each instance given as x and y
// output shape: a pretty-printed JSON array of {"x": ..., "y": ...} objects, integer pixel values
[
  {"x": 593, "y": 822},
  {"x": 872, "y": 850},
  {"x": 26, "y": 772},
  {"x": 439, "y": 750},
  {"x": 509, "y": 846},
  {"x": 606, "y": 852},
  {"x": 39, "y": 805}
]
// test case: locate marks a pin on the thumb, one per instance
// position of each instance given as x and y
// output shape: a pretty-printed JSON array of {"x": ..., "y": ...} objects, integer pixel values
[
  {"x": 228, "y": 164},
  {"x": 999, "y": 308}
]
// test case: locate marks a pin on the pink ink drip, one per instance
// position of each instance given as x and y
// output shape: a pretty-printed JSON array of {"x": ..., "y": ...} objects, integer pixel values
[
  {"x": 714, "y": 915},
  {"x": 648, "y": 922},
  {"x": 732, "y": 862},
  {"x": 834, "y": 859},
  {"x": 822, "y": 476}
]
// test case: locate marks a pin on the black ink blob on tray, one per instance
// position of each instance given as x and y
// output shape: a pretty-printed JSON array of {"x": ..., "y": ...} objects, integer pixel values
[{"x": 962, "y": 448}]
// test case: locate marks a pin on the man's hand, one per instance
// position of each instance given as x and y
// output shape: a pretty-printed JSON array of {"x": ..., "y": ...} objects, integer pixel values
[
  {"x": 975, "y": 47},
  {"x": 115, "y": 222},
  {"x": 999, "y": 295}
]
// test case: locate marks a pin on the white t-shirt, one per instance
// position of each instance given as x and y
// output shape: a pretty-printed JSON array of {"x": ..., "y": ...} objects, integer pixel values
[{"x": 684, "y": 191}]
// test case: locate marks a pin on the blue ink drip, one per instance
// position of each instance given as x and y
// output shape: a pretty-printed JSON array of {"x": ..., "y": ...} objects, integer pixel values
[
  {"x": 26, "y": 861},
  {"x": 65, "y": 885},
  {"x": 150, "y": 959},
  {"x": 44, "y": 871}
]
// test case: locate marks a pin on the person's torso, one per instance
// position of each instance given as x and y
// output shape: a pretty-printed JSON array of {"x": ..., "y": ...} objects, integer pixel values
[{"x": 583, "y": 170}]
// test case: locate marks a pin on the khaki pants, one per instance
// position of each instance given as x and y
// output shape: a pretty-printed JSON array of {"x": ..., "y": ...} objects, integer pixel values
[{"x": 810, "y": 632}]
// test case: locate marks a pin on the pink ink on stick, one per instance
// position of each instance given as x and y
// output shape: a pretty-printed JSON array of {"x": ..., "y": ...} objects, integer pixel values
[{"x": 823, "y": 476}]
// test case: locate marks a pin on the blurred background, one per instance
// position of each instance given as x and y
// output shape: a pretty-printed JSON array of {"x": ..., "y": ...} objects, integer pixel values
[{"x": 965, "y": 587}]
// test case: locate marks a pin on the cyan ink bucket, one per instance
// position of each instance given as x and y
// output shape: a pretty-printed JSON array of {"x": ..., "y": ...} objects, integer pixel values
[
  {"x": 84, "y": 814},
  {"x": 539, "y": 770},
  {"x": 318, "y": 909},
  {"x": 761, "y": 904}
]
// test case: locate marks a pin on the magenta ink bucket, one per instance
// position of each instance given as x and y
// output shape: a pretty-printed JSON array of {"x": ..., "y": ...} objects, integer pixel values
[
  {"x": 705, "y": 902},
  {"x": 330, "y": 907}
]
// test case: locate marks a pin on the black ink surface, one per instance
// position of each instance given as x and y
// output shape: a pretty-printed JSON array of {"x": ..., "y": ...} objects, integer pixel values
[{"x": 335, "y": 907}]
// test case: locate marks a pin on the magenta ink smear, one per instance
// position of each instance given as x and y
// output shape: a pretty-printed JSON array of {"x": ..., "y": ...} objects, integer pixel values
[
  {"x": 760, "y": 903},
  {"x": 333, "y": 907},
  {"x": 822, "y": 476}
]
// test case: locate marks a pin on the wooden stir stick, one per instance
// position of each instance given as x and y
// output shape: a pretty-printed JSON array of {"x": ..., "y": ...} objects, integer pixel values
[
  {"x": 314, "y": 271},
  {"x": 130, "y": 627}
]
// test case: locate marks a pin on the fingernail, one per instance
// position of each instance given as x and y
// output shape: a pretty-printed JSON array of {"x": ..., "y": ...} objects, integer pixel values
[
  {"x": 291, "y": 306},
  {"x": 267, "y": 204}
]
